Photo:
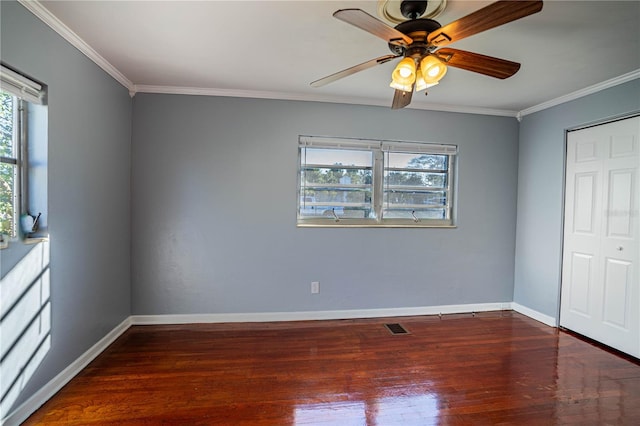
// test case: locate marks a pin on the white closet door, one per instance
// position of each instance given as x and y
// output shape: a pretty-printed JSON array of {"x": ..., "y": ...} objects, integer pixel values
[{"x": 600, "y": 280}]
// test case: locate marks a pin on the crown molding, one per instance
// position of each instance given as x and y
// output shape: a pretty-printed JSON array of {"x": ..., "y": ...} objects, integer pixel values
[
  {"x": 233, "y": 93},
  {"x": 35, "y": 7},
  {"x": 466, "y": 109},
  {"x": 583, "y": 92}
]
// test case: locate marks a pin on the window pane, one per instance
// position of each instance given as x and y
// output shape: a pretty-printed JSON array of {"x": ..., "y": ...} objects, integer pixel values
[
  {"x": 6, "y": 125},
  {"x": 7, "y": 199},
  {"x": 415, "y": 200},
  {"x": 336, "y": 176},
  {"x": 415, "y": 185},
  {"x": 409, "y": 179},
  {"x": 336, "y": 181},
  {"x": 337, "y": 196},
  {"x": 420, "y": 214},
  {"x": 7, "y": 170},
  {"x": 416, "y": 161},
  {"x": 330, "y": 157},
  {"x": 345, "y": 203}
]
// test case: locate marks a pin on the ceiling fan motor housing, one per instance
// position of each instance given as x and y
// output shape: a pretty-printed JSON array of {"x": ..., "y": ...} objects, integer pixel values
[{"x": 418, "y": 30}]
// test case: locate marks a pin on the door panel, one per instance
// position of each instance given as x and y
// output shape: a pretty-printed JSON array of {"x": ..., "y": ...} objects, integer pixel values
[
  {"x": 621, "y": 194},
  {"x": 617, "y": 283},
  {"x": 584, "y": 203},
  {"x": 585, "y": 150},
  {"x": 622, "y": 145},
  {"x": 581, "y": 278}
]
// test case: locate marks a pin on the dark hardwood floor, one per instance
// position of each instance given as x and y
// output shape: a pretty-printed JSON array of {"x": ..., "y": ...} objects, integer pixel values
[{"x": 494, "y": 368}]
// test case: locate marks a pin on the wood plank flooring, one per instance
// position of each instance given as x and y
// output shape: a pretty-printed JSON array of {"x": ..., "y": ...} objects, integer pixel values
[{"x": 487, "y": 369}]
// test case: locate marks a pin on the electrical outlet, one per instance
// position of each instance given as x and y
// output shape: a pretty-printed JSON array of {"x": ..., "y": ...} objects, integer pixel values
[{"x": 315, "y": 287}]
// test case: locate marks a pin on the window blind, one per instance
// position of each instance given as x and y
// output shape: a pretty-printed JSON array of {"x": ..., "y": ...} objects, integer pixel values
[
  {"x": 387, "y": 146},
  {"x": 342, "y": 143},
  {"x": 20, "y": 86},
  {"x": 419, "y": 148}
]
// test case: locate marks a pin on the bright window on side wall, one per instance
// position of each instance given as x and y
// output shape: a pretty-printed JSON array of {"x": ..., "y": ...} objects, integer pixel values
[
  {"x": 8, "y": 164},
  {"x": 353, "y": 182},
  {"x": 20, "y": 100}
]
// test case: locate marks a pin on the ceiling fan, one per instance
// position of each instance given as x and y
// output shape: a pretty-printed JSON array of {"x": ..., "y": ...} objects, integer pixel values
[{"x": 419, "y": 42}]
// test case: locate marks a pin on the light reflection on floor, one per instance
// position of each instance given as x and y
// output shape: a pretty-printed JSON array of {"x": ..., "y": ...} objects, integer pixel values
[
  {"x": 414, "y": 409},
  {"x": 345, "y": 413},
  {"x": 422, "y": 409},
  {"x": 25, "y": 323}
]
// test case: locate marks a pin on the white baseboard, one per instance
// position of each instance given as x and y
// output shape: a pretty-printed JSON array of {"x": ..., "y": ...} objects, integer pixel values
[
  {"x": 316, "y": 315},
  {"x": 538, "y": 316},
  {"x": 27, "y": 408}
]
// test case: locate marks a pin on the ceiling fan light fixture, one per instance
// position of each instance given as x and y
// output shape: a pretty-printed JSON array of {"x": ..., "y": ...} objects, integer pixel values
[
  {"x": 421, "y": 42},
  {"x": 432, "y": 68},
  {"x": 405, "y": 72}
]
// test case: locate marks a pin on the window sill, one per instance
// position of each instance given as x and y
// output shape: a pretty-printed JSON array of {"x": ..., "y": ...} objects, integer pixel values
[
  {"x": 344, "y": 224},
  {"x": 30, "y": 240},
  {"x": 36, "y": 240}
]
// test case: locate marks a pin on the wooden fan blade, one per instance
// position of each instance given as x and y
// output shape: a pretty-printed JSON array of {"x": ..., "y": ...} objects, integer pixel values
[
  {"x": 357, "y": 68},
  {"x": 361, "y": 19},
  {"x": 487, "y": 65},
  {"x": 494, "y": 15},
  {"x": 401, "y": 98}
]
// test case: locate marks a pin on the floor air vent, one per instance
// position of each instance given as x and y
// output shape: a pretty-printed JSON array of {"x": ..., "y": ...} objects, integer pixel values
[{"x": 396, "y": 329}]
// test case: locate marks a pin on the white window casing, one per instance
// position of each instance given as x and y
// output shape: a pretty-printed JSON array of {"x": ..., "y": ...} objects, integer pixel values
[{"x": 399, "y": 195}]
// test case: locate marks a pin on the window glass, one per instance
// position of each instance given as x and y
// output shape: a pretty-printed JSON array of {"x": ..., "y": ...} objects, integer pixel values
[
  {"x": 8, "y": 165},
  {"x": 337, "y": 156},
  {"x": 335, "y": 183},
  {"x": 417, "y": 161},
  {"x": 415, "y": 186}
]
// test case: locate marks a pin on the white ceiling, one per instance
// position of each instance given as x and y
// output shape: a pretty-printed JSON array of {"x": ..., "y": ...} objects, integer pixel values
[{"x": 275, "y": 49}]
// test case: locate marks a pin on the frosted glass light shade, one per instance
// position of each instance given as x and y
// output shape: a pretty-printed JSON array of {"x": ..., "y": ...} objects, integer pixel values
[
  {"x": 433, "y": 69},
  {"x": 405, "y": 72}
]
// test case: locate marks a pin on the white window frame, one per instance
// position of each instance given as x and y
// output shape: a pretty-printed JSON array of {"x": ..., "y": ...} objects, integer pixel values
[
  {"x": 24, "y": 91},
  {"x": 379, "y": 150},
  {"x": 15, "y": 160}
]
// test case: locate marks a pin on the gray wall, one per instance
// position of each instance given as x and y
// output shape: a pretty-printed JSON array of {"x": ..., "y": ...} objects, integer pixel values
[
  {"x": 214, "y": 211},
  {"x": 540, "y": 190},
  {"x": 89, "y": 188}
]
